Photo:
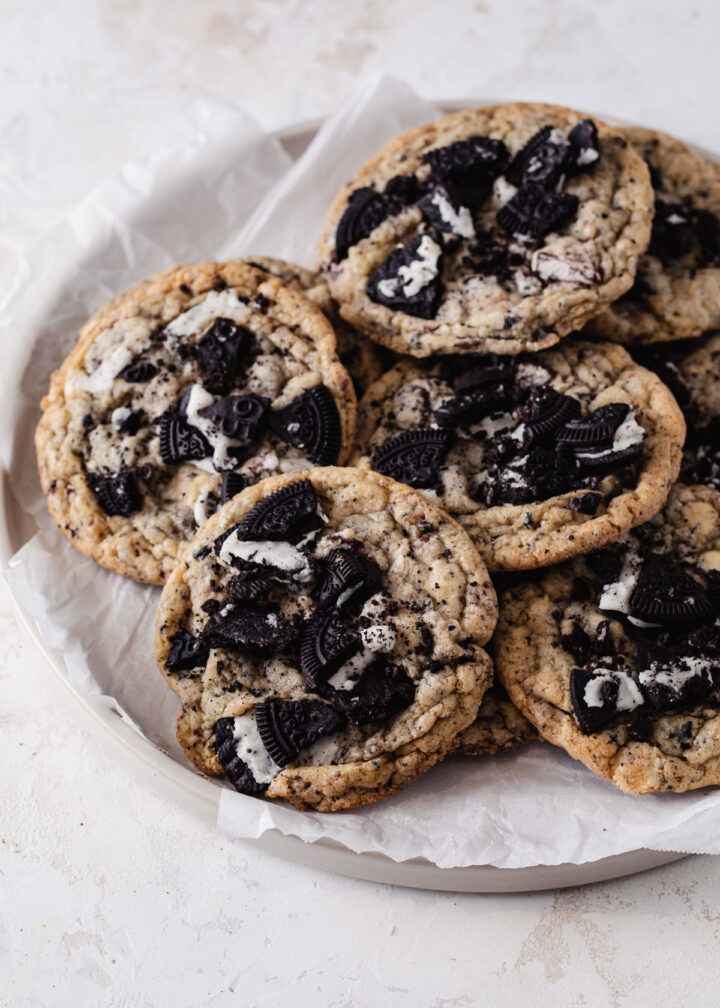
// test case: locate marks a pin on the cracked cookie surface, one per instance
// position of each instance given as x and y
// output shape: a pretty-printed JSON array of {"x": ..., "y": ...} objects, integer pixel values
[
  {"x": 345, "y": 594},
  {"x": 496, "y": 229},
  {"x": 178, "y": 393},
  {"x": 676, "y": 294},
  {"x": 364, "y": 360},
  {"x": 489, "y": 439},
  {"x": 498, "y": 727},
  {"x": 616, "y": 657}
]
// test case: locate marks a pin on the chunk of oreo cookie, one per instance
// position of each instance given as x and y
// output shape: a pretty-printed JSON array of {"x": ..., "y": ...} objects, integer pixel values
[
  {"x": 262, "y": 629},
  {"x": 478, "y": 392},
  {"x": 409, "y": 280},
  {"x": 536, "y": 476},
  {"x": 285, "y": 515},
  {"x": 236, "y": 770},
  {"x": 541, "y": 161},
  {"x": 232, "y": 484},
  {"x": 443, "y": 210},
  {"x": 470, "y": 165},
  {"x": 348, "y": 578},
  {"x": 670, "y": 683},
  {"x": 366, "y": 210},
  {"x": 404, "y": 188},
  {"x": 577, "y": 643},
  {"x": 413, "y": 457},
  {"x": 382, "y": 691},
  {"x": 179, "y": 442},
  {"x": 596, "y": 430},
  {"x": 672, "y": 231},
  {"x": 311, "y": 423},
  {"x": 326, "y": 645},
  {"x": 533, "y": 211},
  {"x": 665, "y": 594},
  {"x": 547, "y": 410},
  {"x": 288, "y": 726},
  {"x": 586, "y": 503},
  {"x": 250, "y": 586},
  {"x": 186, "y": 653},
  {"x": 584, "y": 147},
  {"x": 221, "y": 351},
  {"x": 116, "y": 493},
  {"x": 239, "y": 417},
  {"x": 138, "y": 371},
  {"x": 606, "y": 700}
]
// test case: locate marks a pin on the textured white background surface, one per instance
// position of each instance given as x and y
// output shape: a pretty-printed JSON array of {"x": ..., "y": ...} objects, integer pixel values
[{"x": 108, "y": 895}]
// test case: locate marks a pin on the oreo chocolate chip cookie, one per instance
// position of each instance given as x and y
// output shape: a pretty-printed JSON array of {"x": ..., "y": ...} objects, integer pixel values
[
  {"x": 513, "y": 226},
  {"x": 676, "y": 294},
  {"x": 615, "y": 657},
  {"x": 325, "y": 636},
  {"x": 539, "y": 457},
  {"x": 178, "y": 394}
]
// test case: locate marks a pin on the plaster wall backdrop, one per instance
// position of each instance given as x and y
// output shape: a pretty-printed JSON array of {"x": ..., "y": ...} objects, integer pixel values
[{"x": 110, "y": 896}]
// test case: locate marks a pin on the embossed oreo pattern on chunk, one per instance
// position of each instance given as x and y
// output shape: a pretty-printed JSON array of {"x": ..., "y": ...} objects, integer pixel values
[
  {"x": 667, "y": 595},
  {"x": 311, "y": 422},
  {"x": 348, "y": 578},
  {"x": 286, "y": 514},
  {"x": 534, "y": 212},
  {"x": 381, "y": 692},
  {"x": 236, "y": 770},
  {"x": 116, "y": 493},
  {"x": 179, "y": 442},
  {"x": 221, "y": 352},
  {"x": 413, "y": 457},
  {"x": 287, "y": 726},
  {"x": 326, "y": 645},
  {"x": 239, "y": 417},
  {"x": 365, "y": 211},
  {"x": 187, "y": 653},
  {"x": 541, "y": 161},
  {"x": 263, "y": 629}
]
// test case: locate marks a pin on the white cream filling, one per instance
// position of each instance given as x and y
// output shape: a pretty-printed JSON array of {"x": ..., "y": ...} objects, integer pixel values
[
  {"x": 199, "y": 399},
  {"x": 102, "y": 378},
  {"x": 459, "y": 221},
  {"x": 675, "y": 676},
  {"x": 551, "y": 268},
  {"x": 347, "y": 676},
  {"x": 250, "y": 749},
  {"x": 282, "y": 555},
  {"x": 417, "y": 274},
  {"x": 628, "y": 434},
  {"x": 629, "y": 694},
  {"x": 217, "y": 304},
  {"x": 119, "y": 416},
  {"x": 616, "y": 595}
]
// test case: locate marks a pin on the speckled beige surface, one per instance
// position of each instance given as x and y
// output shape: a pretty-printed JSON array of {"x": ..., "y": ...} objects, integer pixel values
[
  {"x": 298, "y": 352},
  {"x": 429, "y": 568},
  {"x": 535, "y": 668},
  {"x": 677, "y": 298},
  {"x": 524, "y": 536},
  {"x": 363, "y": 360},
  {"x": 604, "y": 239}
]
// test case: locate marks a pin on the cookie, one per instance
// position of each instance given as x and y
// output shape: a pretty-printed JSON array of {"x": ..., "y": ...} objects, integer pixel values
[
  {"x": 692, "y": 372},
  {"x": 341, "y": 619},
  {"x": 539, "y": 457},
  {"x": 492, "y": 230},
  {"x": 178, "y": 394},
  {"x": 362, "y": 359},
  {"x": 498, "y": 727},
  {"x": 676, "y": 294},
  {"x": 615, "y": 657}
]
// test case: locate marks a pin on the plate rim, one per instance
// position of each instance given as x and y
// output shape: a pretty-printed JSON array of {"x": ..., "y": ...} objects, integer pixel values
[{"x": 200, "y": 796}]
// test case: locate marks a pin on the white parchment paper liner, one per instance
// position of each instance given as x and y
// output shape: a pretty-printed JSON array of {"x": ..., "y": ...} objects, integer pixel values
[{"x": 534, "y": 806}]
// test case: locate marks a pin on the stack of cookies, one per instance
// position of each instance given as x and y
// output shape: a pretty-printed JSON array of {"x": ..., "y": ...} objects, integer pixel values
[{"x": 522, "y": 298}]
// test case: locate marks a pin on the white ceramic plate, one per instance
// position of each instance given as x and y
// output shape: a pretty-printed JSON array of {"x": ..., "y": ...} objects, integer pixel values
[{"x": 200, "y": 796}]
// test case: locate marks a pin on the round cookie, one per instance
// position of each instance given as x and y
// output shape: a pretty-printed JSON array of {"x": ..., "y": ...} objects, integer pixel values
[
  {"x": 179, "y": 393},
  {"x": 615, "y": 657},
  {"x": 539, "y": 458},
  {"x": 676, "y": 294},
  {"x": 496, "y": 229},
  {"x": 498, "y": 727},
  {"x": 362, "y": 359},
  {"x": 325, "y": 636},
  {"x": 691, "y": 370}
]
